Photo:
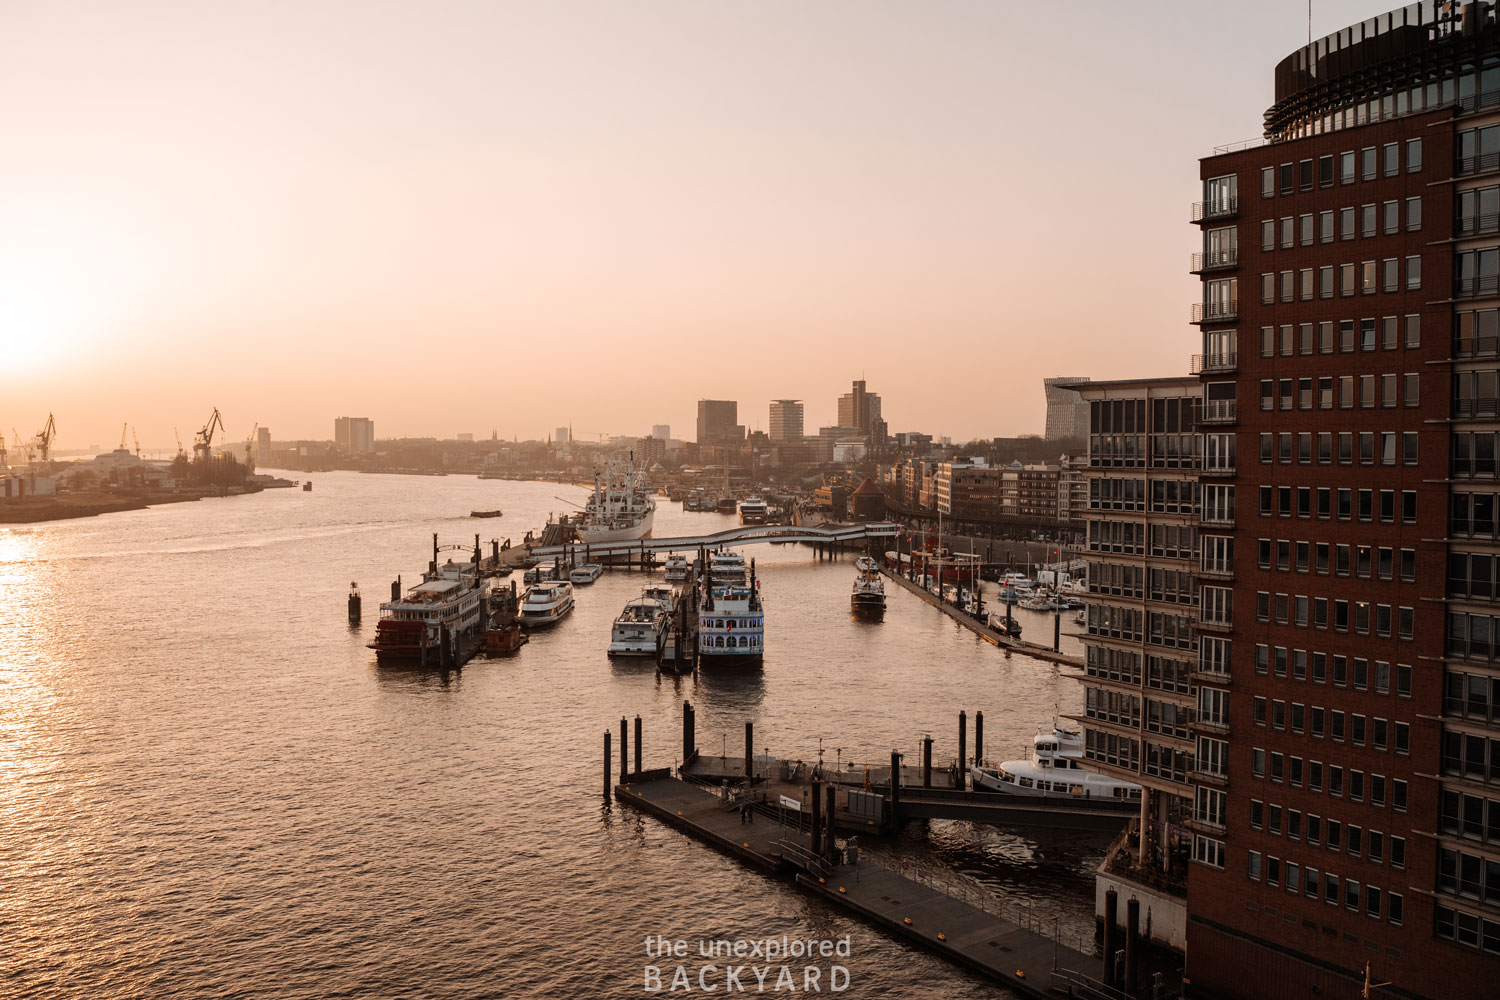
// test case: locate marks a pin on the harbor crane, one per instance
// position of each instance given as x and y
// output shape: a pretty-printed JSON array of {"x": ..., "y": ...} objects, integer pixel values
[
  {"x": 249, "y": 463},
  {"x": 3, "y": 464},
  {"x": 45, "y": 436},
  {"x": 180, "y": 452},
  {"x": 124, "y": 428},
  {"x": 203, "y": 442},
  {"x": 21, "y": 445},
  {"x": 137, "y": 439}
]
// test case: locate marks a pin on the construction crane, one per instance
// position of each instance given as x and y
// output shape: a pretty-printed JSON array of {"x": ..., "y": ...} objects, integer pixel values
[
  {"x": 180, "y": 452},
  {"x": 3, "y": 465},
  {"x": 125, "y": 427},
  {"x": 137, "y": 439},
  {"x": 203, "y": 442},
  {"x": 249, "y": 463},
  {"x": 44, "y": 437}
]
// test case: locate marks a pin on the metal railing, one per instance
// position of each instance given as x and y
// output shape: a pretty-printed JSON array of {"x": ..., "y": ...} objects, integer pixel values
[
  {"x": 1216, "y": 518},
  {"x": 1217, "y": 469},
  {"x": 1481, "y": 163},
  {"x": 1045, "y": 924},
  {"x": 1476, "y": 406},
  {"x": 1468, "y": 288},
  {"x": 1201, "y": 364},
  {"x": 1218, "y": 571},
  {"x": 1215, "y": 312},
  {"x": 1477, "y": 225},
  {"x": 1475, "y": 347},
  {"x": 1217, "y": 208},
  {"x": 1218, "y": 411},
  {"x": 1215, "y": 260}
]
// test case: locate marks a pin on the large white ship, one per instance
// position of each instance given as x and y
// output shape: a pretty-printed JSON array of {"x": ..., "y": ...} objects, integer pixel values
[
  {"x": 1055, "y": 771},
  {"x": 621, "y": 508},
  {"x": 731, "y": 621}
]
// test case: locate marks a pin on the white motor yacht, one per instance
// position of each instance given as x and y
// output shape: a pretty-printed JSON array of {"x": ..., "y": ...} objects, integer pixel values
[
  {"x": 546, "y": 604},
  {"x": 1054, "y": 771}
]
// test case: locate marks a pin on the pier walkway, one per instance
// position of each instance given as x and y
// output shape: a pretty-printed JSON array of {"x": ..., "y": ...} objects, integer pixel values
[
  {"x": 967, "y": 927},
  {"x": 821, "y": 534}
]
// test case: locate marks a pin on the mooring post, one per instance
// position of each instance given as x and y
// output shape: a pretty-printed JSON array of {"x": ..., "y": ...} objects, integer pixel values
[
  {"x": 963, "y": 749},
  {"x": 978, "y": 736},
  {"x": 749, "y": 753},
  {"x": 1057, "y": 631},
  {"x": 637, "y": 744},
  {"x": 1132, "y": 945},
  {"x": 817, "y": 817},
  {"x": 1111, "y": 934},
  {"x": 927, "y": 761},
  {"x": 607, "y": 760},
  {"x": 624, "y": 749},
  {"x": 895, "y": 788},
  {"x": 832, "y": 805}
]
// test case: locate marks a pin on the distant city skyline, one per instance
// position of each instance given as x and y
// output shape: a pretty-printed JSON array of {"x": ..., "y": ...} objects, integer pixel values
[{"x": 429, "y": 222}]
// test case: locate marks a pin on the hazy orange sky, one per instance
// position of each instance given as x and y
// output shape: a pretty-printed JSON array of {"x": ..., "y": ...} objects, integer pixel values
[{"x": 471, "y": 215}]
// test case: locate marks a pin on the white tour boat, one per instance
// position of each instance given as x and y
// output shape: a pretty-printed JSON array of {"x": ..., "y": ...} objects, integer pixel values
[
  {"x": 663, "y": 594},
  {"x": 731, "y": 620},
  {"x": 621, "y": 508},
  {"x": 1054, "y": 771},
  {"x": 676, "y": 568},
  {"x": 546, "y": 603},
  {"x": 640, "y": 630},
  {"x": 754, "y": 510},
  {"x": 586, "y": 574}
]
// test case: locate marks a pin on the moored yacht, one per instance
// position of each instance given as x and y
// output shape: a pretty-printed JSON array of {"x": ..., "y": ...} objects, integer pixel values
[
  {"x": 1053, "y": 771},
  {"x": 663, "y": 594},
  {"x": 676, "y": 568},
  {"x": 640, "y": 629},
  {"x": 546, "y": 603}
]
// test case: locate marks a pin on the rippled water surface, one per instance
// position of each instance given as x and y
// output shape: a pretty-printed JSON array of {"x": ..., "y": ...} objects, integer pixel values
[{"x": 208, "y": 788}]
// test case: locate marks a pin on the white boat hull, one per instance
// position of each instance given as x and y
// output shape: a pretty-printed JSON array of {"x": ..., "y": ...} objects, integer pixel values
[{"x": 594, "y": 535}]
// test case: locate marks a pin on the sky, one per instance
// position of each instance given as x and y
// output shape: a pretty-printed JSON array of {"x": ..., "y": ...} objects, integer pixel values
[{"x": 474, "y": 216}]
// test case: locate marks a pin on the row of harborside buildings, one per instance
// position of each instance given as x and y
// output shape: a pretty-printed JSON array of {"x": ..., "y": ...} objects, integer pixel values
[
  {"x": 1293, "y": 628},
  {"x": 973, "y": 488}
]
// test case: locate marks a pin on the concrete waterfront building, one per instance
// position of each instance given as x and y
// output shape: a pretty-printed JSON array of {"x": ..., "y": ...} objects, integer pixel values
[
  {"x": 1067, "y": 415},
  {"x": 786, "y": 420},
  {"x": 718, "y": 422},
  {"x": 662, "y": 432},
  {"x": 1348, "y": 724},
  {"x": 263, "y": 446},
  {"x": 1029, "y": 491},
  {"x": 354, "y": 435},
  {"x": 1142, "y": 638}
]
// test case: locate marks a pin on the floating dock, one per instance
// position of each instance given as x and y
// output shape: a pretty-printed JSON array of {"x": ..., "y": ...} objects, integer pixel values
[
  {"x": 983, "y": 630},
  {"x": 977, "y": 932}
]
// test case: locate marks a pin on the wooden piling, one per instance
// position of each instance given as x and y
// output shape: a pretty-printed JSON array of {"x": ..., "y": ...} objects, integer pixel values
[
  {"x": 638, "y": 744},
  {"x": 1132, "y": 944},
  {"x": 817, "y": 817},
  {"x": 749, "y": 753},
  {"x": 607, "y": 759},
  {"x": 1111, "y": 934},
  {"x": 829, "y": 812},
  {"x": 927, "y": 762},
  {"x": 963, "y": 749},
  {"x": 978, "y": 737},
  {"x": 895, "y": 790},
  {"x": 624, "y": 749}
]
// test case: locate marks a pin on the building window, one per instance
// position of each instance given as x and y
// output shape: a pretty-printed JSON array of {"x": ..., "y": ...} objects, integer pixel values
[
  {"x": 1413, "y": 156},
  {"x": 1268, "y": 182}
]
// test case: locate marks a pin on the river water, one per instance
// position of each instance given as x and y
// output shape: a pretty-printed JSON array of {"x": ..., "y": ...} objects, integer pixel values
[{"x": 209, "y": 789}]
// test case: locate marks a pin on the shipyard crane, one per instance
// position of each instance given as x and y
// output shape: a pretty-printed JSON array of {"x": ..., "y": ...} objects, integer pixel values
[
  {"x": 203, "y": 442},
  {"x": 124, "y": 429},
  {"x": 180, "y": 452},
  {"x": 45, "y": 436},
  {"x": 3, "y": 465},
  {"x": 137, "y": 439},
  {"x": 249, "y": 464}
]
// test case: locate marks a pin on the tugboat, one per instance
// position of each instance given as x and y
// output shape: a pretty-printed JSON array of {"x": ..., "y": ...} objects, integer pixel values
[
  {"x": 1054, "y": 772},
  {"x": 867, "y": 599}
]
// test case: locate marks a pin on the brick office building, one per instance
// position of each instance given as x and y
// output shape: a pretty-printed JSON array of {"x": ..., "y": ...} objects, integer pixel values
[{"x": 1348, "y": 811}]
